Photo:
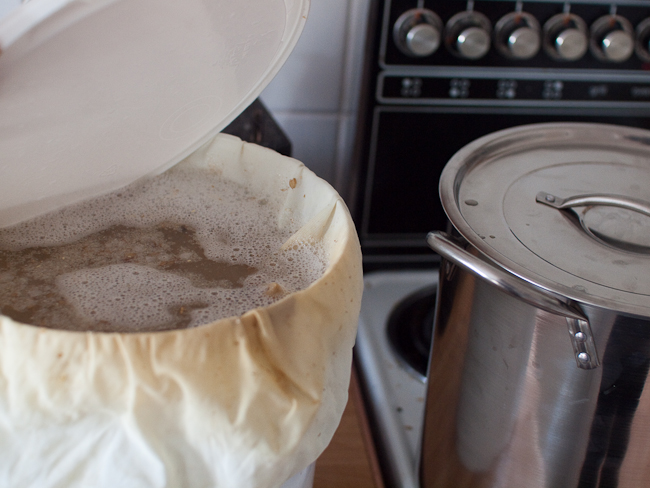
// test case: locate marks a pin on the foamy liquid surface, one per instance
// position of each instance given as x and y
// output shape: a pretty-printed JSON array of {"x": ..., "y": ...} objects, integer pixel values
[{"x": 180, "y": 250}]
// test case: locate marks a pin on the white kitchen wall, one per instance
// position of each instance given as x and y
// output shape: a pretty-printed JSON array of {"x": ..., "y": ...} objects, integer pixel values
[{"x": 314, "y": 96}]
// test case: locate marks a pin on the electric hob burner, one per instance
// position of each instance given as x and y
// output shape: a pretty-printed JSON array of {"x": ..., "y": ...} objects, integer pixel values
[{"x": 410, "y": 329}]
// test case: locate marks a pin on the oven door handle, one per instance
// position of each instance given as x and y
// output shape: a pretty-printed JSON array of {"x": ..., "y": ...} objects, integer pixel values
[{"x": 581, "y": 337}]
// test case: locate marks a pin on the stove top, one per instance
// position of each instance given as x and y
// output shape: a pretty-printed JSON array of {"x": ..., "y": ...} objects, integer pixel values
[{"x": 394, "y": 384}]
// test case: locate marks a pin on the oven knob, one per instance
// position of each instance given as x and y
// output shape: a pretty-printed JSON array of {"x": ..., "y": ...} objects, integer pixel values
[
  {"x": 565, "y": 37},
  {"x": 517, "y": 35},
  {"x": 612, "y": 38},
  {"x": 467, "y": 35},
  {"x": 417, "y": 32},
  {"x": 643, "y": 40}
]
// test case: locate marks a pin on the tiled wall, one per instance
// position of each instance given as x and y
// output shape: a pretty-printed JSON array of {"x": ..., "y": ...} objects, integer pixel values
[{"x": 314, "y": 96}]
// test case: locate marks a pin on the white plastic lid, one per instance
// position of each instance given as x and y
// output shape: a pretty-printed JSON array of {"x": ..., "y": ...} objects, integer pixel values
[{"x": 95, "y": 94}]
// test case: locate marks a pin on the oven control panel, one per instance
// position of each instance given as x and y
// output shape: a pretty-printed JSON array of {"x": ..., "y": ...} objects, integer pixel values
[
  {"x": 602, "y": 35},
  {"x": 499, "y": 52}
]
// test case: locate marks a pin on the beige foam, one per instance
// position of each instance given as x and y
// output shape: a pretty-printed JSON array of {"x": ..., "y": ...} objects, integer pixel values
[{"x": 233, "y": 224}]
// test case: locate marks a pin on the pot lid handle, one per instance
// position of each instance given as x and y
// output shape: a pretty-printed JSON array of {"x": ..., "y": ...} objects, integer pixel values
[
  {"x": 582, "y": 341},
  {"x": 592, "y": 199},
  {"x": 612, "y": 226}
]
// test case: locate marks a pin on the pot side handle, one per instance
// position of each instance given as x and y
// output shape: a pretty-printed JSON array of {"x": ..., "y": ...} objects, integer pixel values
[{"x": 584, "y": 347}]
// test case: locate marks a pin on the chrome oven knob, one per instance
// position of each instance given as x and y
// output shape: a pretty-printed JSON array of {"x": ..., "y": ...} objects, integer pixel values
[
  {"x": 612, "y": 38},
  {"x": 566, "y": 37},
  {"x": 517, "y": 35},
  {"x": 417, "y": 32},
  {"x": 643, "y": 40},
  {"x": 467, "y": 35}
]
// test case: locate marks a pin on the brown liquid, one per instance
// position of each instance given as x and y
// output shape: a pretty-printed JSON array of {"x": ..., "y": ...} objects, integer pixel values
[
  {"x": 29, "y": 293},
  {"x": 181, "y": 249}
]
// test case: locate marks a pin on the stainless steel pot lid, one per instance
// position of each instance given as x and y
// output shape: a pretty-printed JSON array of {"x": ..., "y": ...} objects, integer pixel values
[
  {"x": 95, "y": 94},
  {"x": 564, "y": 206}
]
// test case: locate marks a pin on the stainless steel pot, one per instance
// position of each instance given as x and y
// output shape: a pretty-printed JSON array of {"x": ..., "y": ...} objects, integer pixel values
[{"x": 539, "y": 366}]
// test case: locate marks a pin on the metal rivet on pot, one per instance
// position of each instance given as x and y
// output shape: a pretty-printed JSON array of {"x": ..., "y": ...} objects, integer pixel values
[
  {"x": 550, "y": 198},
  {"x": 580, "y": 336},
  {"x": 583, "y": 357},
  {"x": 471, "y": 203}
]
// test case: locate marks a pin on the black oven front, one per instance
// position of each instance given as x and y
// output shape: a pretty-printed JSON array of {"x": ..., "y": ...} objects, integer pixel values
[{"x": 521, "y": 63}]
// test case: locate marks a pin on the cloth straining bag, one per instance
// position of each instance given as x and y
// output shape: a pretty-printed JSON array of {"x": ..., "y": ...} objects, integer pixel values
[{"x": 245, "y": 401}]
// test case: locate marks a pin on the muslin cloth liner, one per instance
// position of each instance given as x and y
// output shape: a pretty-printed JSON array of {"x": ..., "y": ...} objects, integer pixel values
[{"x": 242, "y": 402}]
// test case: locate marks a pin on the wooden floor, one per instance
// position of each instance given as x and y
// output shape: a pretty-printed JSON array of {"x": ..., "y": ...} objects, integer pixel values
[{"x": 349, "y": 461}]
